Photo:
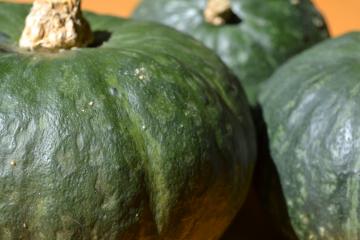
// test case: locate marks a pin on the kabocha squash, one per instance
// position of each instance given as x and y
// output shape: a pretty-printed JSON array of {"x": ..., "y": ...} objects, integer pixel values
[
  {"x": 252, "y": 36},
  {"x": 145, "y": 134},
  {"x": 311, "y": 107}
]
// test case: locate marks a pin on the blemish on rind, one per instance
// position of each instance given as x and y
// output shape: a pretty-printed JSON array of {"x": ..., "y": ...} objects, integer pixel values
[
  {"x": 140, "y": 73},
  {"x": 322, "y": 231},
  {"x": 113, "y": 91},
  {"x": 318, "y": 22},
  {"x": 294, "y": 2},
  {"x": 312, "y": 236},
  {"x": 304, "y": 219}
]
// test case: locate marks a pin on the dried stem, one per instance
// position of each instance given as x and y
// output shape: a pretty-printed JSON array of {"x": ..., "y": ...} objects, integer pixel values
[
  {"x": 56, "y": 24},
  {"x": 217, "y": 12}
]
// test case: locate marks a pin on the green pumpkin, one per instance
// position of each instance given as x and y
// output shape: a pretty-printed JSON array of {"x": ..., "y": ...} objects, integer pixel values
[
  {"x": 311, "y": 107},
  {"x": 258, "y": 36},
  {"x": 147, "y": 136}
]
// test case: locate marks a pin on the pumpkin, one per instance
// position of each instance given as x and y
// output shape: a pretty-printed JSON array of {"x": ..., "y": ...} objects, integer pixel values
[
  {"x": 252, "y": 37},
  {"x": 311, "y": 110},
  {"x": 144, "y": 134}
]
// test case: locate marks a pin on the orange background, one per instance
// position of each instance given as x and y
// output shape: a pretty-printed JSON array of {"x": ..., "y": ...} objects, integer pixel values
[{"x": 341, "y": 15}]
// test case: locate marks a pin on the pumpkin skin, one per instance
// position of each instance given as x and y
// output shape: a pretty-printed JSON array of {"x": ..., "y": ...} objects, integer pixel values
[
  {"x": 311, "y": 110},
  {"x": 147, "y": 136},
  {"x": 269, "y": 33}
]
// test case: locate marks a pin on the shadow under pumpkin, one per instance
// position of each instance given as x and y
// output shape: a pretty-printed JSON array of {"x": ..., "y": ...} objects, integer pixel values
[{"x": 264, "y": 214}]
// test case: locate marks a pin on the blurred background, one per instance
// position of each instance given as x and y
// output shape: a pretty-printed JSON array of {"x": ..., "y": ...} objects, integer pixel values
[{"x": 342, "y": 15}]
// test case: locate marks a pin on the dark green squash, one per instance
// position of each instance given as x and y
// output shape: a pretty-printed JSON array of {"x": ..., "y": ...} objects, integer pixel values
[
  {"x": 146, "y": 136},
  {"x": 258, "y": 36},
  {"x": 311, "y": 107}
]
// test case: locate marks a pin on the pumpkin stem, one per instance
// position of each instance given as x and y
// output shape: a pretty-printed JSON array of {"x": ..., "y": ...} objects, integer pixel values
[
  {"x": 218, "y": 12},
  {"x": 56, "y": 24}
]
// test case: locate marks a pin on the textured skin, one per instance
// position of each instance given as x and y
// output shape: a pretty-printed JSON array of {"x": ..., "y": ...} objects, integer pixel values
[
  {"x": 148, "y": 136},
  {"x": 311, "y": 107},
  {"x": 270, "y": 32}
]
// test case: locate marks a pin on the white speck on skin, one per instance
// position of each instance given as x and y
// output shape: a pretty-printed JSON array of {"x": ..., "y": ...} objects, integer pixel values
[
  {"x": 137, "y": 71},
  {"x": 322, "y": 231},
  {"x": 91, "y": 103},
  {"x": 311, "y": 237},
  {"x": 290, "y": 203},
  {"x": 13, "y": 163},
  {"x": 294, "y": 2},
  {"x": 318, "y": 22},
  {"x": 331, "y": 209},
  {"x": 304, "y": 219},
  {"x": 140, "y": 73}
]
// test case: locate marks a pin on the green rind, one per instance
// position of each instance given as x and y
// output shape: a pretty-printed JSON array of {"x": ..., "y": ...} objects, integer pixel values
[
  {"x": 147, "y": 137},
  {"x": 311, "y": 107},
  {"x": 271, "y": 31}
]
